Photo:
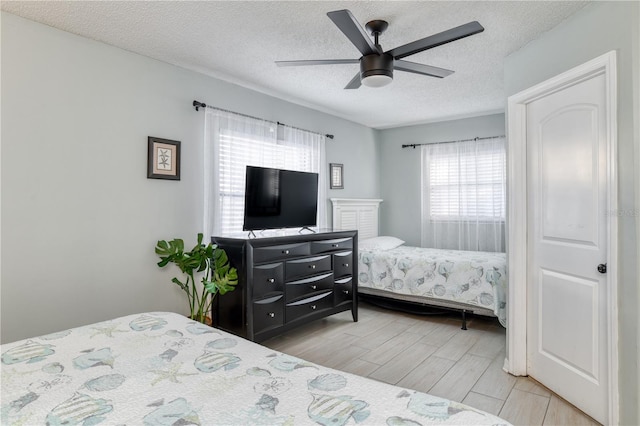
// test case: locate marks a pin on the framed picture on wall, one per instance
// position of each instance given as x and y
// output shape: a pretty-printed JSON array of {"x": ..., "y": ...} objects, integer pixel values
[
  {"x": 335, "y": 176},
  {"x": 163, "y": 159}
]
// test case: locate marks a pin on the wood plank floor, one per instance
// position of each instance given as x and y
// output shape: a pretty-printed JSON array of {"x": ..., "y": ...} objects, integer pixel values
[{"x": 430, "y": 354}]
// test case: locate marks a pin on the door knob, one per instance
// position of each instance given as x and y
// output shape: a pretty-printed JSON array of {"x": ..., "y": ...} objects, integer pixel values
[{"x": 602, "y": 268}]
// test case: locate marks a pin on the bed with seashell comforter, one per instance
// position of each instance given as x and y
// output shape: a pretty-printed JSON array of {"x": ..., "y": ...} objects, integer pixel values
[
  {"x": 164, "y": 369},
  {"x": 471, "y": 280}
]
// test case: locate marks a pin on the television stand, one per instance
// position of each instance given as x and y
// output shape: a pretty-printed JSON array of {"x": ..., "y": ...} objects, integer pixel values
[{"x": 307, "y": 228}]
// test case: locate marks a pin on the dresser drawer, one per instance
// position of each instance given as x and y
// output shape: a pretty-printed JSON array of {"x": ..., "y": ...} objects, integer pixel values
[
  {"x": 308, "y": 306},
  {"x": 285, "y": 251},
  {"x": 308, "y": 266},
  {"x": 331, "y": 245},
  {"x": 268, "y": 313},
  {"x": 308, "y": 287},
  {"x": 267, "y": 278},
  {"x": 343, "y": 291},
  {"x": 343, "y": 264}
]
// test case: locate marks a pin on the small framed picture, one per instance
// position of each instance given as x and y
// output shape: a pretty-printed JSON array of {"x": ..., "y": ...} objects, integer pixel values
[
  {"x": 164, "y": 159},
  {"x": 335, "y": 176}
]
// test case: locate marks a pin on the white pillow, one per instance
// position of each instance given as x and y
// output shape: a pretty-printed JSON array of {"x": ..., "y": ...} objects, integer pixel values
[{"x": 380, "y": 243}]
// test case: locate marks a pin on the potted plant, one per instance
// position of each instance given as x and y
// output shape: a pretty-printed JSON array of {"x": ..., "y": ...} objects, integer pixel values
[{"x": 207, "y": 261}]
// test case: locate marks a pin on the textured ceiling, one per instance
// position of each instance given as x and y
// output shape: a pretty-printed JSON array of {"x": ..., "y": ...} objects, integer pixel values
[{"x": 239, "y": 41}]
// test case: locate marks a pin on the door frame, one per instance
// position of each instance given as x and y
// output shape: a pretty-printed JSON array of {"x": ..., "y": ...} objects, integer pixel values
[{"x": 516, "y": 362}]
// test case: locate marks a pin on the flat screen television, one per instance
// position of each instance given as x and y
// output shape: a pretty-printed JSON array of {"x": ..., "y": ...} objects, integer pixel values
[{"x": 276, "y": 198}]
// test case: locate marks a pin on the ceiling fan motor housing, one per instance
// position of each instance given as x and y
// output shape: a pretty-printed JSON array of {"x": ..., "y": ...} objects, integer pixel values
[{"x": 376, "y": 65}]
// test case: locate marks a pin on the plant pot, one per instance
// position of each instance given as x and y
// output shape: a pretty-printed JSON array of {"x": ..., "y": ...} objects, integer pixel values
[{"x": 207, "y": 320}]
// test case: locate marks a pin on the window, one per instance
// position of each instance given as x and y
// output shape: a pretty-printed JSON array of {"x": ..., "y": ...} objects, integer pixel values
[
  {"x": 463, "y": 195},
  {"x": 465, "y": 180},
  {"x": 233, "y": 141}
]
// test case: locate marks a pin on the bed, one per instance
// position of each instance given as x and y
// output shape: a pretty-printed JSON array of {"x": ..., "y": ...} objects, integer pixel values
[
  {"x": 161, "y": 368},
  {"x": 466, "y": 281}
]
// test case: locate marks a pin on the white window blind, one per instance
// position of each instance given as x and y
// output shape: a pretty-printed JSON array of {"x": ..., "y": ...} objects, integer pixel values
[
  {"x": 232, "y": 142},
  {"x": 467, "y": 181},
  {"x": 463, "y": 195}
]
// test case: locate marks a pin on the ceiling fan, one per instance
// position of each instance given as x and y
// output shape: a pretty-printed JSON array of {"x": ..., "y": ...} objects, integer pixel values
[{"x": 376, "y": 66}]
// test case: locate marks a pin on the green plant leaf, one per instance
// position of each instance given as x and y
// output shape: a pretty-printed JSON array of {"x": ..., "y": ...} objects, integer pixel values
[
  {"x": 226, "y": 281},
  {"x": 210, "y": 286},
  {"x": 225, "y": 285},
  {"x": 181, "y": 284},
  {"x": 171, "y": 248},
  {"x": 204, "y": 262},
  {"x": 218, "y": 276},
  {"x": 220, "y": 257},
  {"x": 164, "y": 261}
]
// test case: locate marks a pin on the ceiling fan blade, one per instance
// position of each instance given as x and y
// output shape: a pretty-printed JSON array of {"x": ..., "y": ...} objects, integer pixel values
[
  {"x": 435, "y": 40},
  {"x": 421, "y": 69},
  {"x": 354, "y": 83},
  {"x": 316, "y": 62},
  {"x": 347, "y": 23}
]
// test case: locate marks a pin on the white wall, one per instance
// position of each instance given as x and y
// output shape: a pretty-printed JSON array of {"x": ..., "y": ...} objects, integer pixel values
[
  {"x": 79, "y": 217},
  {"x": 400, "y": 168},
  {"x": 636, "y": 73},
  {"x": 593, "y": 31}
]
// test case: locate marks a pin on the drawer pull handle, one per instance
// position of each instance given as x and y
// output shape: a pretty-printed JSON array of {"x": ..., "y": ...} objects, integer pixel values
[
  {"x": 313, "y": 307},
  {"x": 346, "y": 265},
  {"x": 313, "y": 287},
  {"x": 272, "y": 314},
  {"x": 285, "y": 251},
  {"x": 335, "y": 245},
  {"x": 312, "y": 266},
  {"x": 271, "y": 280},
  {"x": 345, "y": 291}
]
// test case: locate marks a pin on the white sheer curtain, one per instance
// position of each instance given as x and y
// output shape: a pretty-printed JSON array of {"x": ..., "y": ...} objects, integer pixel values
[
  {"x": 463, "y": 195},
  {"x": 305, "y": 151},
  {"x": 233, "y": 141}
]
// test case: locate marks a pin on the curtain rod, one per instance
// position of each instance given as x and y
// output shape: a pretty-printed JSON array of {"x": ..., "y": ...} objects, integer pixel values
[
  {"x": 197, "y": 105},
  {"x": 413, "y": 145}
]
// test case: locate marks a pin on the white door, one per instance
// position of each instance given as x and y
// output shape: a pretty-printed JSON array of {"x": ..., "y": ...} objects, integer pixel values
[{"x": 567, "y": 240}]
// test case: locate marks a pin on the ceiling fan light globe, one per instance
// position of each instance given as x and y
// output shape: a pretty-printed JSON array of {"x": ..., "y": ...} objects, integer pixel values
[{"x": 377, "y": 80}]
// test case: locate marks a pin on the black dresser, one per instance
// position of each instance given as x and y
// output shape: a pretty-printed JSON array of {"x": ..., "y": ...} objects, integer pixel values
[{"x": 285, "y": 281}]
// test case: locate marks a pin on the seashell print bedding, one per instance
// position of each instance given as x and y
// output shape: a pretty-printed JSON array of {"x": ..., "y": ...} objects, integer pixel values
[
  {"x": 470, "y": 277},
  {"x": 163, "y": 369}
]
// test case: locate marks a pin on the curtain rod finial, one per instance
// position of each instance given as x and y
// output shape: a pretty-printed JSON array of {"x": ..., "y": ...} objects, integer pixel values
[{"x": 198, "y": 105}]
